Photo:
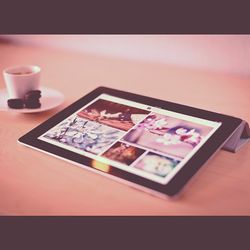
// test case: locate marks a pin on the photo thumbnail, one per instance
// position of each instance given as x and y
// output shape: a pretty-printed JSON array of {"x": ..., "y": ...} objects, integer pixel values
[
  {"x": 113, "y": 114},
  {"x": 156, "y": 164},
  {"x": 123, "y": 152},
  {"x": 172, "y": 136},
  {"x": 84, "y": 134}
]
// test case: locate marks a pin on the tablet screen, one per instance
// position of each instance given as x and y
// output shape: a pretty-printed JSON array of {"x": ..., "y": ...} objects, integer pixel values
[{"x": 151, "y": 142}]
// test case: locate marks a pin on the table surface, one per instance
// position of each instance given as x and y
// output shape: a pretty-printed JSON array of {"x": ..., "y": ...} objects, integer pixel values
[{"x": 33, "y": 183}]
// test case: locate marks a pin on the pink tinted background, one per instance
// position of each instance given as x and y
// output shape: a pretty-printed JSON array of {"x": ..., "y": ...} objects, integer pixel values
[
  {"x": 209, "y": 72},
  {"x": 223, "y": 53}
]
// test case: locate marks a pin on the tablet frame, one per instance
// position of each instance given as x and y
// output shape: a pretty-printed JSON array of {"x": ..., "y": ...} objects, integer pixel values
[{"x": 214, "y": 143}]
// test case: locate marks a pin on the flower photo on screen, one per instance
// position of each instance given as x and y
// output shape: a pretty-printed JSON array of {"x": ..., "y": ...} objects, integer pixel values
[
  {"x": 113, "y": 114},
  {"x": 172, "y": 136},
  {"x": 84, "y": 134}
]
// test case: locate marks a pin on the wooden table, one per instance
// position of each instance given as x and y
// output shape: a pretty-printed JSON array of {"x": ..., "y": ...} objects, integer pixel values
[{"x": 33, "y": 183}]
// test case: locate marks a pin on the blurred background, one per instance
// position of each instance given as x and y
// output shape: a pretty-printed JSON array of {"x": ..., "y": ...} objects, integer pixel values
[
  {"x": 210, "y": 72},
  {"x": 207, "y": 71},
  {"x": 228, "y": 54}
]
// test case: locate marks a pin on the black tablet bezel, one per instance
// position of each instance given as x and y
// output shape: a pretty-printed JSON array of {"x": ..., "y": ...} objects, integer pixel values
[{"x": 229, "y": 125}]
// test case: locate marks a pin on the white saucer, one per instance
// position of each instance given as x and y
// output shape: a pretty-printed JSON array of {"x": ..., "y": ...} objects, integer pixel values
[{"x": 50, "y": 99}]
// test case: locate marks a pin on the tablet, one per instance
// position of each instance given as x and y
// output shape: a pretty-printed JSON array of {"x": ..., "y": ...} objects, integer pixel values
[{"x": 148, "y": 143}]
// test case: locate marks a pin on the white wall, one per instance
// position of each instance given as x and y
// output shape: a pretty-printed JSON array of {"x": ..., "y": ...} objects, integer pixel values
[{"x": 224, "y": 53}]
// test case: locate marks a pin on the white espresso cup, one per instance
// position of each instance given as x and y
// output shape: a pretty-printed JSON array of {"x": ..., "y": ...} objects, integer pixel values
[{"x": 21, "y": 79}]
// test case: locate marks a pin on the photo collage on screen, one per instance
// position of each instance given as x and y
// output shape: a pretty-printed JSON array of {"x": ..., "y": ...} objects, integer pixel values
[{"x": 137, "y": 138}]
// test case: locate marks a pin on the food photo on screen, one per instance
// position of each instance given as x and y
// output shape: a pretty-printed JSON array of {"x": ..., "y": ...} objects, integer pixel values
[
  {"x": 113, "y": 114},
  {"x": 123, "y": 153}
]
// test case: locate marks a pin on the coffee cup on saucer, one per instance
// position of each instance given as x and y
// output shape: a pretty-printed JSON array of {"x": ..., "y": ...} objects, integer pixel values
[
  {"x": 23, "y": 93},
  {"x": 21, "y": 79}
]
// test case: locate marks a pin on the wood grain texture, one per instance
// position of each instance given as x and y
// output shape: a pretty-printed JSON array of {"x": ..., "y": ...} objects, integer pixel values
[{"x": 33, "y": 183}]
